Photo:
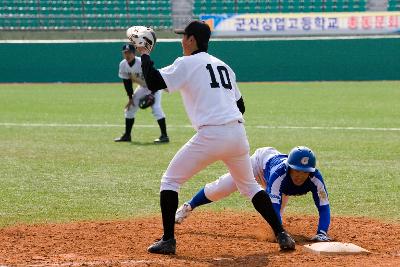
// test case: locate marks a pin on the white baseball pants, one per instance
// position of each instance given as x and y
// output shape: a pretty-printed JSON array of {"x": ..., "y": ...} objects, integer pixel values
[
  {"x": 156, "y": 108},
  {"x": 226, "y": 142}
]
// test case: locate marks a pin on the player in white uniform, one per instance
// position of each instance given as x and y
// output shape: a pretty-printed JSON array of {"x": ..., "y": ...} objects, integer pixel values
[
  {"x": 130, "y": 71},
  {"x": 214, "y": 105}
]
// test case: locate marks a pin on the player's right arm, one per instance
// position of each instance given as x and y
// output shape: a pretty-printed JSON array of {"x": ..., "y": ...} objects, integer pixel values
[
  {"x": 128, "y": 87},
  {"x": 274, "y": 189}
]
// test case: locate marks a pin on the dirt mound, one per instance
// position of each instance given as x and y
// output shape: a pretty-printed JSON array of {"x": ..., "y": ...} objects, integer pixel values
[{"x": 205, "y": 239}]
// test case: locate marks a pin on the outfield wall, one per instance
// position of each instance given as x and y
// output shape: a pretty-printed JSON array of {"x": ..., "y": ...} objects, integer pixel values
[{"x": 252, "y": 59}]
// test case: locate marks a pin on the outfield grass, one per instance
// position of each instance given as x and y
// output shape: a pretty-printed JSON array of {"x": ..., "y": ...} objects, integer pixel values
[{"x": 50, "y": 172}]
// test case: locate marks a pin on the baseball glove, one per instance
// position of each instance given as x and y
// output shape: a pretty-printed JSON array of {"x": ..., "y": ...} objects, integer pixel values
[{"x": 146, "y": 101}]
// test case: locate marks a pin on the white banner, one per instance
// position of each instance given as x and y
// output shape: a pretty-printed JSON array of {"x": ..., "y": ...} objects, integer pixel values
[{"x": 304, "y": 23}]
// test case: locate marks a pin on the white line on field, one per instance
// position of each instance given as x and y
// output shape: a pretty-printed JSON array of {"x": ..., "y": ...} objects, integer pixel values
[
  {"x": 328, "y": 128},
  {"x": 11, "y": 124},
  {"x": 77, "y": 125}
]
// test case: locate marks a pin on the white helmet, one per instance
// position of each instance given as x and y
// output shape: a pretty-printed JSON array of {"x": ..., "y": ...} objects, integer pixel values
[{"x": 141, "y": 36}]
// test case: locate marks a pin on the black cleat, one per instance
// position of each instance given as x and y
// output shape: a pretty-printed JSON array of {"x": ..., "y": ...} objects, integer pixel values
[
  {"x": 123, "y": 138},
  {"x": 163, "y": 247},
  {"x": 286, "y": 242},
  {"x": 162, "y": 139}
]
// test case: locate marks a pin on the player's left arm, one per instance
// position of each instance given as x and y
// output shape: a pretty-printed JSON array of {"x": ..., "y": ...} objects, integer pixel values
[
  {"x": 320, "y": 196},
  {"x": 139, "y": 35},
  {"x": 152, "y": 76},
  {"x": 240, "y": 105},
  {"x": 238, "y": 95},
  {"x": 129, "y": 91},
  {"x": 127, "y": 81}
]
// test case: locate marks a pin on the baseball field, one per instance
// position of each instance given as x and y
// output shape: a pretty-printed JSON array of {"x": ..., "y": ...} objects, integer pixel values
[{"x": 70, "y": 196}]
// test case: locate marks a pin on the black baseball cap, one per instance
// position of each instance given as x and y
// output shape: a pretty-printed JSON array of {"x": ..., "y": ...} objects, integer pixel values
[
  {"x": 200, "y": 30},
  {"x": 128, "y": 47}
]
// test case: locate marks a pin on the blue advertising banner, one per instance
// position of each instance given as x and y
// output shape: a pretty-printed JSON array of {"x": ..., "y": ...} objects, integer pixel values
[{"x": 304, "y": 23}]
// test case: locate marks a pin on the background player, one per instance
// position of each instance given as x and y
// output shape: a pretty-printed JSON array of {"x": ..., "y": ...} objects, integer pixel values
[
  {"x": 214, "y": 105},
  {"x": 282, "y": 176},
  {"x": 130, "y": 71}
]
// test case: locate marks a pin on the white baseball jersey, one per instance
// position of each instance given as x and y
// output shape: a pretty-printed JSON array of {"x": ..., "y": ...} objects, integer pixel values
[
  {"x": 135, "y": 72},
  {"x": 208, "y": 88}
]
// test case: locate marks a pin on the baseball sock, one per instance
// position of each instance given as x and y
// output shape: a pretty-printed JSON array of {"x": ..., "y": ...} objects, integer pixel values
[
  {"x": 262, "y": 203},
  {"x": 163, "y": 126},
  {"x": 128, "y": 125},
  {"x": 199, "y": 199},
  {"x": 169, "y": 205}
]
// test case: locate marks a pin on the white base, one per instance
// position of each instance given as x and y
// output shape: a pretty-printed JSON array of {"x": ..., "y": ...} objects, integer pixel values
[{"x": 334, "y": 248}]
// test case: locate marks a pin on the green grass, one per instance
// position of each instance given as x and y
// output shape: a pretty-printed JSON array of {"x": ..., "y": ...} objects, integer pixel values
[{"x": 64, "y": 173}]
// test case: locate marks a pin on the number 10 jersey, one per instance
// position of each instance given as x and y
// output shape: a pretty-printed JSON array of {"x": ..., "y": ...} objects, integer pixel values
[{"x": 208, "y": 88}]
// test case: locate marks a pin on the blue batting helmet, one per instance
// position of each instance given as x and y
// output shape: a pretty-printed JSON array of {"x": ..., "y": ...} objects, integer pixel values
[{"x": 302, "y": 158}]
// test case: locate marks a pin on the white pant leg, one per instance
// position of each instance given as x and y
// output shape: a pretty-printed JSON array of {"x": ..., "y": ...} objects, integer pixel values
[
  {"x": 130, "y": 112},
  {"x": 236, "y": 158},
  {"x": 137, "y": 95},
  {"x": 156, "y": 108},
  {"x": 225, "y": 185},
  {"x": 189, "y": 160},
  {"x": 220, "y": 188},
  {"x": 242, "y": 174}
]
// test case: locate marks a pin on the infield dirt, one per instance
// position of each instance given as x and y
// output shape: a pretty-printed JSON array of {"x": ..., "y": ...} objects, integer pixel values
[{"x": 206, "y": 238}]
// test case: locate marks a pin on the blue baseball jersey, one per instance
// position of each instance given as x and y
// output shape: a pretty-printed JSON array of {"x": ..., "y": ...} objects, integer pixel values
[{"x": 279, "y": 182}]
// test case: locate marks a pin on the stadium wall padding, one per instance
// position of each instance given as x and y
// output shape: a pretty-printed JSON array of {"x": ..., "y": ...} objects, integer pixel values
[{"x": 252, "y": 60}]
